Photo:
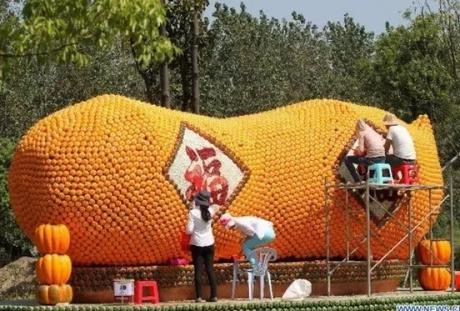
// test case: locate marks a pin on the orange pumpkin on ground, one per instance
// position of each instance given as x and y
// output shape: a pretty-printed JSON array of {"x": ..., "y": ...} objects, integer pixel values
[
  {"x": 434, "y": 252},
  {"x": 116, "y": 172},
  {"x": 52, "y": 239},
  {"x": 434, "y": 278},
  {"x": 53, "y": 269},
  {"x": 54, "y": 294}
]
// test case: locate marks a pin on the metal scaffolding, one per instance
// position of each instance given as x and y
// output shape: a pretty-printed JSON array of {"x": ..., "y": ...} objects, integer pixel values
[{"x": 369, "y": 196}]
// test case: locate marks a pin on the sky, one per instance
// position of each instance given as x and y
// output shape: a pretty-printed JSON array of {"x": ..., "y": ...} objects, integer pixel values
[{"x": 370, "y": 13}]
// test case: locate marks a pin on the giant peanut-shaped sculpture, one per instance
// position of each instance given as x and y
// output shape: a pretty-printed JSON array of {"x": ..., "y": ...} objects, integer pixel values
[{"x": 118, "y": 173}]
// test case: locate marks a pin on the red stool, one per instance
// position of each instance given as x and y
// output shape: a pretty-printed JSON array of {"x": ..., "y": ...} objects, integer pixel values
[
  {"x": 151, "y": 286},
  {"x": 362, "y": 170},
  {"x": 457, "y": 281},
  {"x": 408, "y": 171}
]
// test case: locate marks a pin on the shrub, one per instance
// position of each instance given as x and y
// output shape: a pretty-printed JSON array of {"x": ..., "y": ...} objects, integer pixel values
[{"x": 13, "y": 242}]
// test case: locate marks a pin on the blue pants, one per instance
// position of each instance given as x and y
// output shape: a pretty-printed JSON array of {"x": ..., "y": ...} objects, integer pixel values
[{"x": 254, "y": 241}]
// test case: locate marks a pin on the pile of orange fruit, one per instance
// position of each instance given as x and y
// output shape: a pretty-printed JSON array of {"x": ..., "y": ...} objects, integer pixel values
[{"x": 99, "y": 168}]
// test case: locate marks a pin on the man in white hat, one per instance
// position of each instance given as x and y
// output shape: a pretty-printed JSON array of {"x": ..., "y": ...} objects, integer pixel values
[
  {"x": 399, "y": 138},
  {"x": 258, "y": 231}
]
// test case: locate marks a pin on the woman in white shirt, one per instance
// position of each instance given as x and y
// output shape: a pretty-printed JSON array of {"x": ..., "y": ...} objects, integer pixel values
[
  {"x": 258, "y": 231},
  {"x": 199, "y": 227}
]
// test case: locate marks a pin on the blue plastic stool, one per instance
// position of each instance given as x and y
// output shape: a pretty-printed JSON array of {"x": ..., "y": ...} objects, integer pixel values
[{"x": 380, "y": 173}]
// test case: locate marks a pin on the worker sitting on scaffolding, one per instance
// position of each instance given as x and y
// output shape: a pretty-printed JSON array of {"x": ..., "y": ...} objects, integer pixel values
[
  {"x": 370, "y": 150},
  {"x": 399, "y": 138}
]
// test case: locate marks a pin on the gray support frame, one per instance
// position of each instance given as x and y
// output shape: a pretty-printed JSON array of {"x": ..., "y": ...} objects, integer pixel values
[
  {"x": 452, "y": 242},
  {"x": 331, "y": 266},
  {"x": 327, "y": 236},
  {"x": 368, "y": 240}
]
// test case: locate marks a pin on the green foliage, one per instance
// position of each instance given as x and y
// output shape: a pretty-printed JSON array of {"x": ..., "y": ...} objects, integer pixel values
[
  {"x": 411, "y": 65},
  {"x": 8, "y": 22},
  {"x": 13, "y": 243},
  {"x": 64, "y": 29},
  {"x": 36, "y": 90},
  {"x": 179, "y": 29},
  {"x": 349, "y": 50},
  {"x": 254, "y": 64},
  {"x": 375, "y": 303}
]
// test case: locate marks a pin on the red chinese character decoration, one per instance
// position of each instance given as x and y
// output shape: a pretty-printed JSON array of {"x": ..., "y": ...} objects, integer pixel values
[{"x": 203, "y": 173}]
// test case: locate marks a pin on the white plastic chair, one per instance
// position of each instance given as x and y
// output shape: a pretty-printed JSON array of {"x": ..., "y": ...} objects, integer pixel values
[{"x": 262, "y": 256}]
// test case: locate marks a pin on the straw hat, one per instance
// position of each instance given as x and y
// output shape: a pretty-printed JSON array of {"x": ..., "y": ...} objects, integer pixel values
[{"x": 390, "y": 119}]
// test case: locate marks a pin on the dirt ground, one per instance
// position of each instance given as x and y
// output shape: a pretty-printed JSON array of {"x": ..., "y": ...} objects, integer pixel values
[{"x": 17, "y": 279}]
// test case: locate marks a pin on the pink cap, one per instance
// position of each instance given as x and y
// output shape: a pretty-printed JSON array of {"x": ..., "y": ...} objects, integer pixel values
[{"x": 226, "y": 220}]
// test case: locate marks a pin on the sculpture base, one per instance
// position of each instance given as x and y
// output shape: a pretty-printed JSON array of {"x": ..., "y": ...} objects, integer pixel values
[{"x": 95, "y": 285}]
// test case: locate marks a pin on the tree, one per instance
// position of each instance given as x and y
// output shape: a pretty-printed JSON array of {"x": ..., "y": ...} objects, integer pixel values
[
  {"x": 257, "y": 63},
  {"x": 349, "y": 50},
  {"x": 164, "y": 75},
  {"x": 411, "y": 67},
  {"x": 448, "y": 17},
  {"x": 449, "y": 20},
  {"x": 187, "y": 30},
  {"x": 179, "y": 28},
  {"x": 195, "y": 75},
  {"x": 34, "y": 90},
  {"x": 13, "y": 242},
  {"x": 66, "y": 31},
  {"x": 8, "y": 22}
]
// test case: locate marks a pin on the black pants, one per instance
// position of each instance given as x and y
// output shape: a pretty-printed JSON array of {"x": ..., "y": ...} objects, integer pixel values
[
  {"x": 351, "y": 160},
  {"x": 204, "y": 255},
  {"x": 394, "y": 160}
]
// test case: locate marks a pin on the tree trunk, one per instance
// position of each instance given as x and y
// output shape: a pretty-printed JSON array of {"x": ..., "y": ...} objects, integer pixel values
[
  {"x": 149, "y": 87},
  {"x": 164, "y": 73},
  {"x": 147, "y": 75},
  {"x": 185, "y": 82},
  {"x": 164, "y": 84},
  {"x": 195, "y": 82}
]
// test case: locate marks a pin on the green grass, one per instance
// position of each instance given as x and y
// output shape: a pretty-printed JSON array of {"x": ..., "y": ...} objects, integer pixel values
[{"x": 354, "y": 303}]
